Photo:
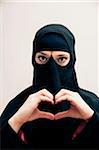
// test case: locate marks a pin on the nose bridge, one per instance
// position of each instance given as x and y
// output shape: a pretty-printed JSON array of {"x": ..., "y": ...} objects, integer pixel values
[
  {"x": 54, "y": 75},
  {"x": 53, "y": 66}
]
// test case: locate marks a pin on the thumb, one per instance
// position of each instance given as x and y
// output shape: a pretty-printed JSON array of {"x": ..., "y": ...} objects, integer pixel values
[
  {"x": 61, "y": 115},
  {"x": 46, "y": 115}
]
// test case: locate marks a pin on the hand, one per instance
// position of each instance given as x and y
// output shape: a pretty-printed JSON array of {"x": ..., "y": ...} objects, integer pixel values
[
  {"x": 79, "y": 108},
  {"x": 29, "y": 111}
]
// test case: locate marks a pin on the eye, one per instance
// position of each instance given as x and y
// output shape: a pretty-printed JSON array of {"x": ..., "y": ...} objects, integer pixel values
[
  {"x": 62, "y": 61},
  {"x": 41, "y": 59}
]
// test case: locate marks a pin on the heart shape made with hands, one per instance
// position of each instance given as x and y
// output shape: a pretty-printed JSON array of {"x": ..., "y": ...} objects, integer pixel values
[
  {"x": 55, "y": 108},
  {"x": 67, "y": 104}
]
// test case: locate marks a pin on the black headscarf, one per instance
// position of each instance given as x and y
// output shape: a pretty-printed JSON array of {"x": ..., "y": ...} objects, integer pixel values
[
  {"x": 53, "y": 38},
  {"x": 52, "y": 76}
]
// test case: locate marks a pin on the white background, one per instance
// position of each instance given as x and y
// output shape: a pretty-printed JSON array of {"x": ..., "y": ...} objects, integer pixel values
[{"x": 19, "y": 23}]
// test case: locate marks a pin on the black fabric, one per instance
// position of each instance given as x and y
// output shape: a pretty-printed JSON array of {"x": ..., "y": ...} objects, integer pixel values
[
  {"x": 52, "y": 76},
  {"x": 10, "y": 139},
  {"x": 65, "y": 39},
  {"x": 46, "y": 134},
  {"x": 51, "y": 41},
  {"x": 43, "y": 133}
]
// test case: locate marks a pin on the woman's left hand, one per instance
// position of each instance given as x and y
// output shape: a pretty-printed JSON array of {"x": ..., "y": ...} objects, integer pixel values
[{"x": 79, "y": 108}]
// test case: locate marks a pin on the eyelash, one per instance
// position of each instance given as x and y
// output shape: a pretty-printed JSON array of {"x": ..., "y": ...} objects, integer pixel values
[
  {"x": 62, "y": 59},
  {"x": 42, "y": 58},
  {"x": 58, "y": 60}
]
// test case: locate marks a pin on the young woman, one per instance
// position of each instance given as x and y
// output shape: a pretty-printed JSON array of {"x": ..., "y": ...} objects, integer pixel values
[{"x": 54, "y": 112}]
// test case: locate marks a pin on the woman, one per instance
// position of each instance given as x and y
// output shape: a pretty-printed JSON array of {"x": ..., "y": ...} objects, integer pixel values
[{"x": 54, "y": 112}]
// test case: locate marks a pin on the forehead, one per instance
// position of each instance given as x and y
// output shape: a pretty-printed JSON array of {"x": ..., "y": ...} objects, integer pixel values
[{"x": 59, "y": 52}]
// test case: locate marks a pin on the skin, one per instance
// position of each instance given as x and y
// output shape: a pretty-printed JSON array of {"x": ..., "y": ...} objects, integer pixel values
[
  {"x": 61, "y": 58},
  {"x": 29, "y": 110}
]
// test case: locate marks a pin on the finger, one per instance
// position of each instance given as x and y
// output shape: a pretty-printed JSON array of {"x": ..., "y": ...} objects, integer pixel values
[
  {"x": 46, "y": 93},
  {"x": 60, "y": 93},
  {"x": 65, "y": 97},
  {"x": 68, "y": 92},
  {"x": 46, "y": 115},
  {"x": 45, "y": 98},
  {"x": 61, "y": 115}
]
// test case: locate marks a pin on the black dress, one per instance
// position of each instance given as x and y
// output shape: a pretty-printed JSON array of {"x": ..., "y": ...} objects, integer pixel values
[{"x": 46, "y": 134}]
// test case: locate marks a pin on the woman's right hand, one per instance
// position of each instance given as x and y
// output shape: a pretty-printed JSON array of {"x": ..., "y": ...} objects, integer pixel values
[{"x": 29, "y": 110}]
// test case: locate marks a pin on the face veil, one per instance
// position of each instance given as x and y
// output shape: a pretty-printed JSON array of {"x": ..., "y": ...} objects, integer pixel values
[
  {"x": 54, "y": 37},
  {"x": 51, "y": 76}
]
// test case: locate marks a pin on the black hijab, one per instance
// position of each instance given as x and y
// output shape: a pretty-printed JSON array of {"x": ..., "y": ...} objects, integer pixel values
[
  {"x": 54, "y": 37},
  {"x": 52, "y": 76}
]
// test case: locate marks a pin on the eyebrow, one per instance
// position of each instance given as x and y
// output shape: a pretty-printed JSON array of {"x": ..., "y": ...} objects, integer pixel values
[
  {"x": 57, "y": 55},
  {"x": 44, "y": 54},
  {"x": 61, "y": 55}
]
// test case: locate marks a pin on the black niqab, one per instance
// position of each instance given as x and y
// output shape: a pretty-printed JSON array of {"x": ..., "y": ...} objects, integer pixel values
[{"x": 52, "y": 76}]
